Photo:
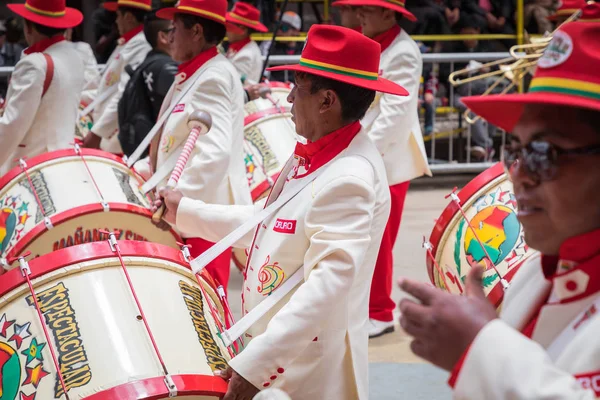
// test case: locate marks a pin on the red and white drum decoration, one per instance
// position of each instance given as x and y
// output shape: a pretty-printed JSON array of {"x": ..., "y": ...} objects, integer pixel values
[
  {"x": 126, "y": 320},
  {"x": 66, "y": 197},
  {"x": 489, "y": 204}
]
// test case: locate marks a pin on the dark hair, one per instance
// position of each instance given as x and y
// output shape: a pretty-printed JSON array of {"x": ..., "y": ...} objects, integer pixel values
[
  {"x": 137, "y": 13},
  {"x": 214, "y": 32},
  {"x": 153, "y": 26},
  {"x": 45, "y": 30},
  {"x": 468, "y": 21},
  {"x": 590, "y": 117},
  {"x": 355, "y": 100}
]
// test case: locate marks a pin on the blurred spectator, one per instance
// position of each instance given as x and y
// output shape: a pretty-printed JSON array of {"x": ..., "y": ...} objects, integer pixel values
[
  {"x": 565, "y": 10},
  {"x": 536, "y": 15},
  {"x": 499, "y": 16},
  {"x": 14, "y": 42},
  {"x": 428, "y": 92},
  {"x": 291, "y": 23},
  {"x": 105, "y": 33},
  {"x": 2, "y": 40},
  {"x": 431, "y": 17}
]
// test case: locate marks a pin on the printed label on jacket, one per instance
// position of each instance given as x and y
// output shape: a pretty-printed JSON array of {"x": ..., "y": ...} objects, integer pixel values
[
  {"x": 285, "y": 226},
  {"x": 178, "y": 108}
]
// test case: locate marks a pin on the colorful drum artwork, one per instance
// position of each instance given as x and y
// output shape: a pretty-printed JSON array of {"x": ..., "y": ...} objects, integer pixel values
[
  {"x": 269, "y": 141},
  {"x": 127, "y": 320},
  {"x": 65, "y": 198},
  {"x": 490, "y": 206},
  {"x": 84, "y": 125}
]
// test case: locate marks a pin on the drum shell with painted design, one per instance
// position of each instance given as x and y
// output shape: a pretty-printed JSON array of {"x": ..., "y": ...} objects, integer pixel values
[
  {"x": 490, "y": 205},
  {"x": 70, "y": 199},
  {"x": 96, "y": 329}
]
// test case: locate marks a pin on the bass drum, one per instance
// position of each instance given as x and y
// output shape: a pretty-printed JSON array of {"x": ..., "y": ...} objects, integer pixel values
[
  {"x": 269, "y": 141},
  {"x": 84, "y": 124},
  {"x": 96, "y": 325},
  {"x": 490, "y": 206},
  {"x": 68, "y": 197}
]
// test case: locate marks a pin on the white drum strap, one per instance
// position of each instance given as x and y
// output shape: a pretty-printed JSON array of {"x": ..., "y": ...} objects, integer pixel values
[
  {"x": 105, "y": 95},
  {"x": 157, "y": 127},
  {"x": 581, "y": 321},
  {"x": 163, "y": 171},
  {"x": 237, "y": 330}
]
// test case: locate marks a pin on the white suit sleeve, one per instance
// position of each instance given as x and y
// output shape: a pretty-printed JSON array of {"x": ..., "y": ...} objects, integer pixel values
[
  {"x": 394, "y": 122},
  {"x": 504, "y": 364},
  {"x": 212, "y": 222},
  {"x": 338, "y": 226},
  {"x": 22, "y": 102},
  {"x": 243, "y": 65},
  {"x": 108, "y": 123},
  {"x": 209, "y": 163}
]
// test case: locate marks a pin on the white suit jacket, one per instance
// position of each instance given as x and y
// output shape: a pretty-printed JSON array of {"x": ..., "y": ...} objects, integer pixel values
[
  {"x": 32, "y": 125},
  {"x": 91, "y": 73},
  {"x": 215, "y": 172},
  {"x": 504, "y": 364},
  {"x": 247, "y": 61},
  {"x": 105, "y": 114},
  {"x": 393, "y": 121},
  {"x": 314, "y": 343}
]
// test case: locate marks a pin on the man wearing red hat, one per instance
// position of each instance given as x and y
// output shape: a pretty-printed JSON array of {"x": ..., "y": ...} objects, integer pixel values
[
  {"x": 131, "y": 50},
  {"x": 43, "y": 94},
  {"x": 243, "y": 52},
  {"x": 393, "y": 124},
  {"x": 545, "y": 343},
  {"x": 313, "y": 343},
  {"x": 215, "y": 172}
]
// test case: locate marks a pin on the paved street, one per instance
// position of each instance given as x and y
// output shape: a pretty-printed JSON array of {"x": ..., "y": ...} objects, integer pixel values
[{"x": 396, "y": 373}]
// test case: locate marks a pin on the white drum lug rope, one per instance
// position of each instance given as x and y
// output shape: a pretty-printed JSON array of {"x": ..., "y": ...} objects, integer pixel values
[
  {"x": 198, "y": 264},
  {"x": 47, "y": 220},
  {"x": 114, "y": 247},
  {"x": 103, "y": 202},
  {"x": 456, "y": 199},
  {"x": 26, "y": 272}
]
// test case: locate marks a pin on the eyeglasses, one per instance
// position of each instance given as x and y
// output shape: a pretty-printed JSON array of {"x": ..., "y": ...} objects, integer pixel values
[
  {"x": 539, "y": 159},
  {"x": 169, "y": 31}
]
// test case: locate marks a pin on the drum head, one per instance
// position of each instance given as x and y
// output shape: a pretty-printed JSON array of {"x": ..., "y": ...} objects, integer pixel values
[{"x": 490, "y": 206}]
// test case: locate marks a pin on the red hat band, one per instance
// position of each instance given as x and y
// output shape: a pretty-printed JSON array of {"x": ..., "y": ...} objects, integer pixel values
[
  {"x": 396, "y": 5},
  {"x": 56, "y": 8},
  {"x": 211, "y": 9}
]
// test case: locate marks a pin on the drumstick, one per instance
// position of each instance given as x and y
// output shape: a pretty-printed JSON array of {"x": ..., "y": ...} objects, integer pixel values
[{"x": 200, "y": 123}]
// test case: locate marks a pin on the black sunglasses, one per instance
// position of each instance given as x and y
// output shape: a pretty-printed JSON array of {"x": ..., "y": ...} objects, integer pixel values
[{"x": 539, "y": 159}]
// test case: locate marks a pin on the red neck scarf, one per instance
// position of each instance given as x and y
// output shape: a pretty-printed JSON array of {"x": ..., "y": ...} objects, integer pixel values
[
  {"x": 129, "y": 35},
  {"x": 188, "y": 68},
  {"x": 237, "y": 46},
  {"x": 386, "y": 38},
  {"x": 42, "y": 45}
]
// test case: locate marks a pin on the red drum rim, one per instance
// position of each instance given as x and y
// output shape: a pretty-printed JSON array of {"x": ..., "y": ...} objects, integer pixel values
[
  {"x": 89, "y": 252},
  {"x": 487, "y": 176},
  {"x": 264, "y": 113},
  {"x": 87, "y": 209},
  {"x": 154, "y": 388},
  {"x": 262, "y": 188},
  {"x": 53, "y": 155}
]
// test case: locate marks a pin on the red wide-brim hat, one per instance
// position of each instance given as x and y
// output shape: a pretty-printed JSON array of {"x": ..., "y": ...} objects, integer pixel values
[
  {"x": 247, "y": 15},
  {"x": 50, "y": 13},
  {"x": 214, "y": 10},
  {"x": 566, "y": 75},
  {"x": 141, "y": 4},
  {"x": 343, "y": 55},
  {"x": 395, "y": 5}
]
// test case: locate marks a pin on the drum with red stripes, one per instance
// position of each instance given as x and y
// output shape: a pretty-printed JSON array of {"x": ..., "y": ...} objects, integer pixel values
[
  {"x": 490, "y": 235},
  {"x": 67, "y": 197},
  {"x": 122, "y": 320},
  {"x": 269, "y": 141}
]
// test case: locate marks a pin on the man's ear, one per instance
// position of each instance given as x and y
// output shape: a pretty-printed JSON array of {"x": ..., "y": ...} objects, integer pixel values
[
  {"x": 163, "y": 38},
  {"x": 198, "y": 31},
  {"x": 329, "y": 101}
]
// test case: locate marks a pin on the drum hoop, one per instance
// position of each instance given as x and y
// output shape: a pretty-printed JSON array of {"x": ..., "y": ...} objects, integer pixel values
[
  {"x": 68, "y": 215},
  {"x": 262, "y": 188},
  {"x": 55, "y": 155},
  {"x": 264, "y": 115},
  {"x": 62, "y": 258},
  {"x": 154, "y": 388},
  {"x": 438, "y": 234}
]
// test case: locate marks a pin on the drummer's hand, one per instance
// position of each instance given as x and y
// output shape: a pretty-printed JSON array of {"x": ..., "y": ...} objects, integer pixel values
[
  {"x": 162, "y": 224},
  {"x": 92, "y": 141},
  {"x": 171, "y": 198},
  {"x": 253, "y": 91},
  {"x": 238, "y": 388},
  {"x": 444, "y": 325}
]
